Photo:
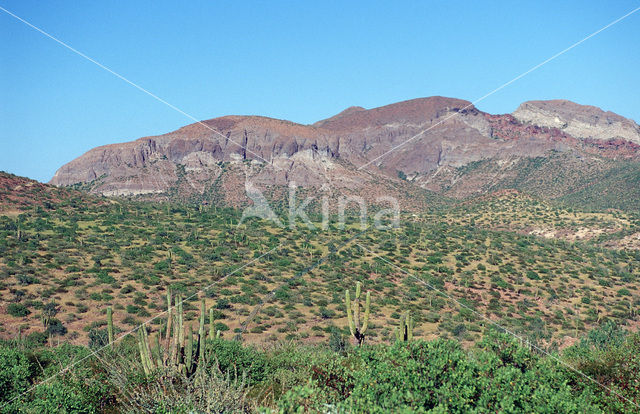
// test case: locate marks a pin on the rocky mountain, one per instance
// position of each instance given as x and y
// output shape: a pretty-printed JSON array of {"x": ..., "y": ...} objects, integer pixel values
[{"x": 435, "y": 144}]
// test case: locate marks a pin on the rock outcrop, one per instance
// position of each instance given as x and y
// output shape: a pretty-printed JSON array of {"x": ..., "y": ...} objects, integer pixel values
[{"x": 580, "y": 121}]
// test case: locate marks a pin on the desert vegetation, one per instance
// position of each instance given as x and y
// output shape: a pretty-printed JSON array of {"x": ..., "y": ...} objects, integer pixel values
[
  {"x": 495, "y": 374},
  {"x": 254, "y": 317}
]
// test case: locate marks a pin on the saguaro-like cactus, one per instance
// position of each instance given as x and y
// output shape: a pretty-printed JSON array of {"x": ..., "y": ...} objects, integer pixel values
[
  {"x": 405, "y": 331},
  {"x": 357, "y": 330}
]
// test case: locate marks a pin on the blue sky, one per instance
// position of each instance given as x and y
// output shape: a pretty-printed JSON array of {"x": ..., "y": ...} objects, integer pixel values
[{"x": 293, "y": 60}]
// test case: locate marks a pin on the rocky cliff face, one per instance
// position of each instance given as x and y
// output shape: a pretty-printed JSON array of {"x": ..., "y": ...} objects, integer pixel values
[
  {"x": 434, "y": 141},
  {"x": 580, "y": 121}
]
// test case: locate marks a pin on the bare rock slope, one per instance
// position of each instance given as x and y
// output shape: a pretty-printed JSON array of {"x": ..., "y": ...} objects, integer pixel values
[{"x": 581, "y": 121}]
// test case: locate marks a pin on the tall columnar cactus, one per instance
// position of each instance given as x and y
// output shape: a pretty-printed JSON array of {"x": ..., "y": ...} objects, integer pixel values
[
  {"x": 145, "y": 350},
  {"x": 179, "y": 352},
  {"x": 110, "y": 325},
  {"x": 202, "y": 336},
  {"x": 357, "y": 330},
  {"x": 405, "y": 331},
  {"x": 188, "y": 351},
  {"x": 167, "y": 335},
  {"x": 180, "y": 315},
  {"x": 159, "y": 352}
]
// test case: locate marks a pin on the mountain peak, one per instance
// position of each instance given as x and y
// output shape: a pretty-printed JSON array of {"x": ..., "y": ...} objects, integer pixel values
[{"x": 414, "y": 111}]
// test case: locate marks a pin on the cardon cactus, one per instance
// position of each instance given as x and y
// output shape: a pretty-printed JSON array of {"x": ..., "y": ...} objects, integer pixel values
[
  {"x": 179, "y": 352},
  {"x": 405, "y": 331},
  {"x": 357, "y": 329}
]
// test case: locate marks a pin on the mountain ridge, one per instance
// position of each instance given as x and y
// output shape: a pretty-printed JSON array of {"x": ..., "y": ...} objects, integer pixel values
[{"x": 429, "y": 142}]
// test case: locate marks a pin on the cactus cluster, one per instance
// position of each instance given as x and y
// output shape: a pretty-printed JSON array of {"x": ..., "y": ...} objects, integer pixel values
[
  {"x": 405, "y": 331},
  {"x": 357, "y": 330},
  {"x": 174, "y": 351},
  {"x": 183, "y": 353}
]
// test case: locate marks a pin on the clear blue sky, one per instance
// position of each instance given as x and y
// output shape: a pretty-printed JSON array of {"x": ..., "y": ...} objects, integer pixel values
[{"x": 291, "y": 60}]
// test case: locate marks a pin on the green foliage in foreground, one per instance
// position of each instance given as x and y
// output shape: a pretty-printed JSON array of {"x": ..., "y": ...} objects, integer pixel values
[
  {"x": 85, "y": 389},
  {"x": 498, "y": 375}
]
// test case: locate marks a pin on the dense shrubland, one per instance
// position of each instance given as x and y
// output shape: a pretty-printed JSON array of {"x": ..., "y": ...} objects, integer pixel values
[{"x": 497, "y": 374}]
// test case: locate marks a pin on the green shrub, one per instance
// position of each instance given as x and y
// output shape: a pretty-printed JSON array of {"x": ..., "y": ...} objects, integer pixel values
[
  {"x": 55, "y": 327},
  {"x": 84, "y": 389},
  {"x": 233, "y": 358},
  {"x": 15, "y": 374},
  {"x": 532, "y": 275},
  {"x": 37, "y": 339},
  {"x": 27, "y": 279},
  {"x": 18, "y": 310}
]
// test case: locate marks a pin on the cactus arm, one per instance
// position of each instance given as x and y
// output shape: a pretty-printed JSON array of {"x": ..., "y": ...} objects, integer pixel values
[
  {"x": 142, "y": 358},
  {"x": 365, "y": 323},
  {"x": 159, "y": 351},
  {"x": 175, "y": 345},
  {"x": 142, "y": 347},
  {"x": 188, "y": 350},
  {"x": 347, "y": 301},
  {"x": 201, "y": 335},
  {"x": 110, "y": 325},
  {"x": 202, "y": 315},
  {"x": 211, "y": 324},
  {"x": 147, "y": 348},
  {"x": 409, "y": 328},
  {"x": 356, "y": 314},
  {"x": 168, "y": 345},
  {"x": 356, "y": 308},
  {"x": 168, "y": 331},
  {"x": 180, "y": 323}
]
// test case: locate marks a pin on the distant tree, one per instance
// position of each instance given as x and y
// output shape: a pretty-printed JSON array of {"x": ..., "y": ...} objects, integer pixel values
[{"x": 56, "y": 327}]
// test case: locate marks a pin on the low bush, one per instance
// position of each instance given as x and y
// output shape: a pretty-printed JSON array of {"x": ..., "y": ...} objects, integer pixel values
[{"x": 18, "y": 310}]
